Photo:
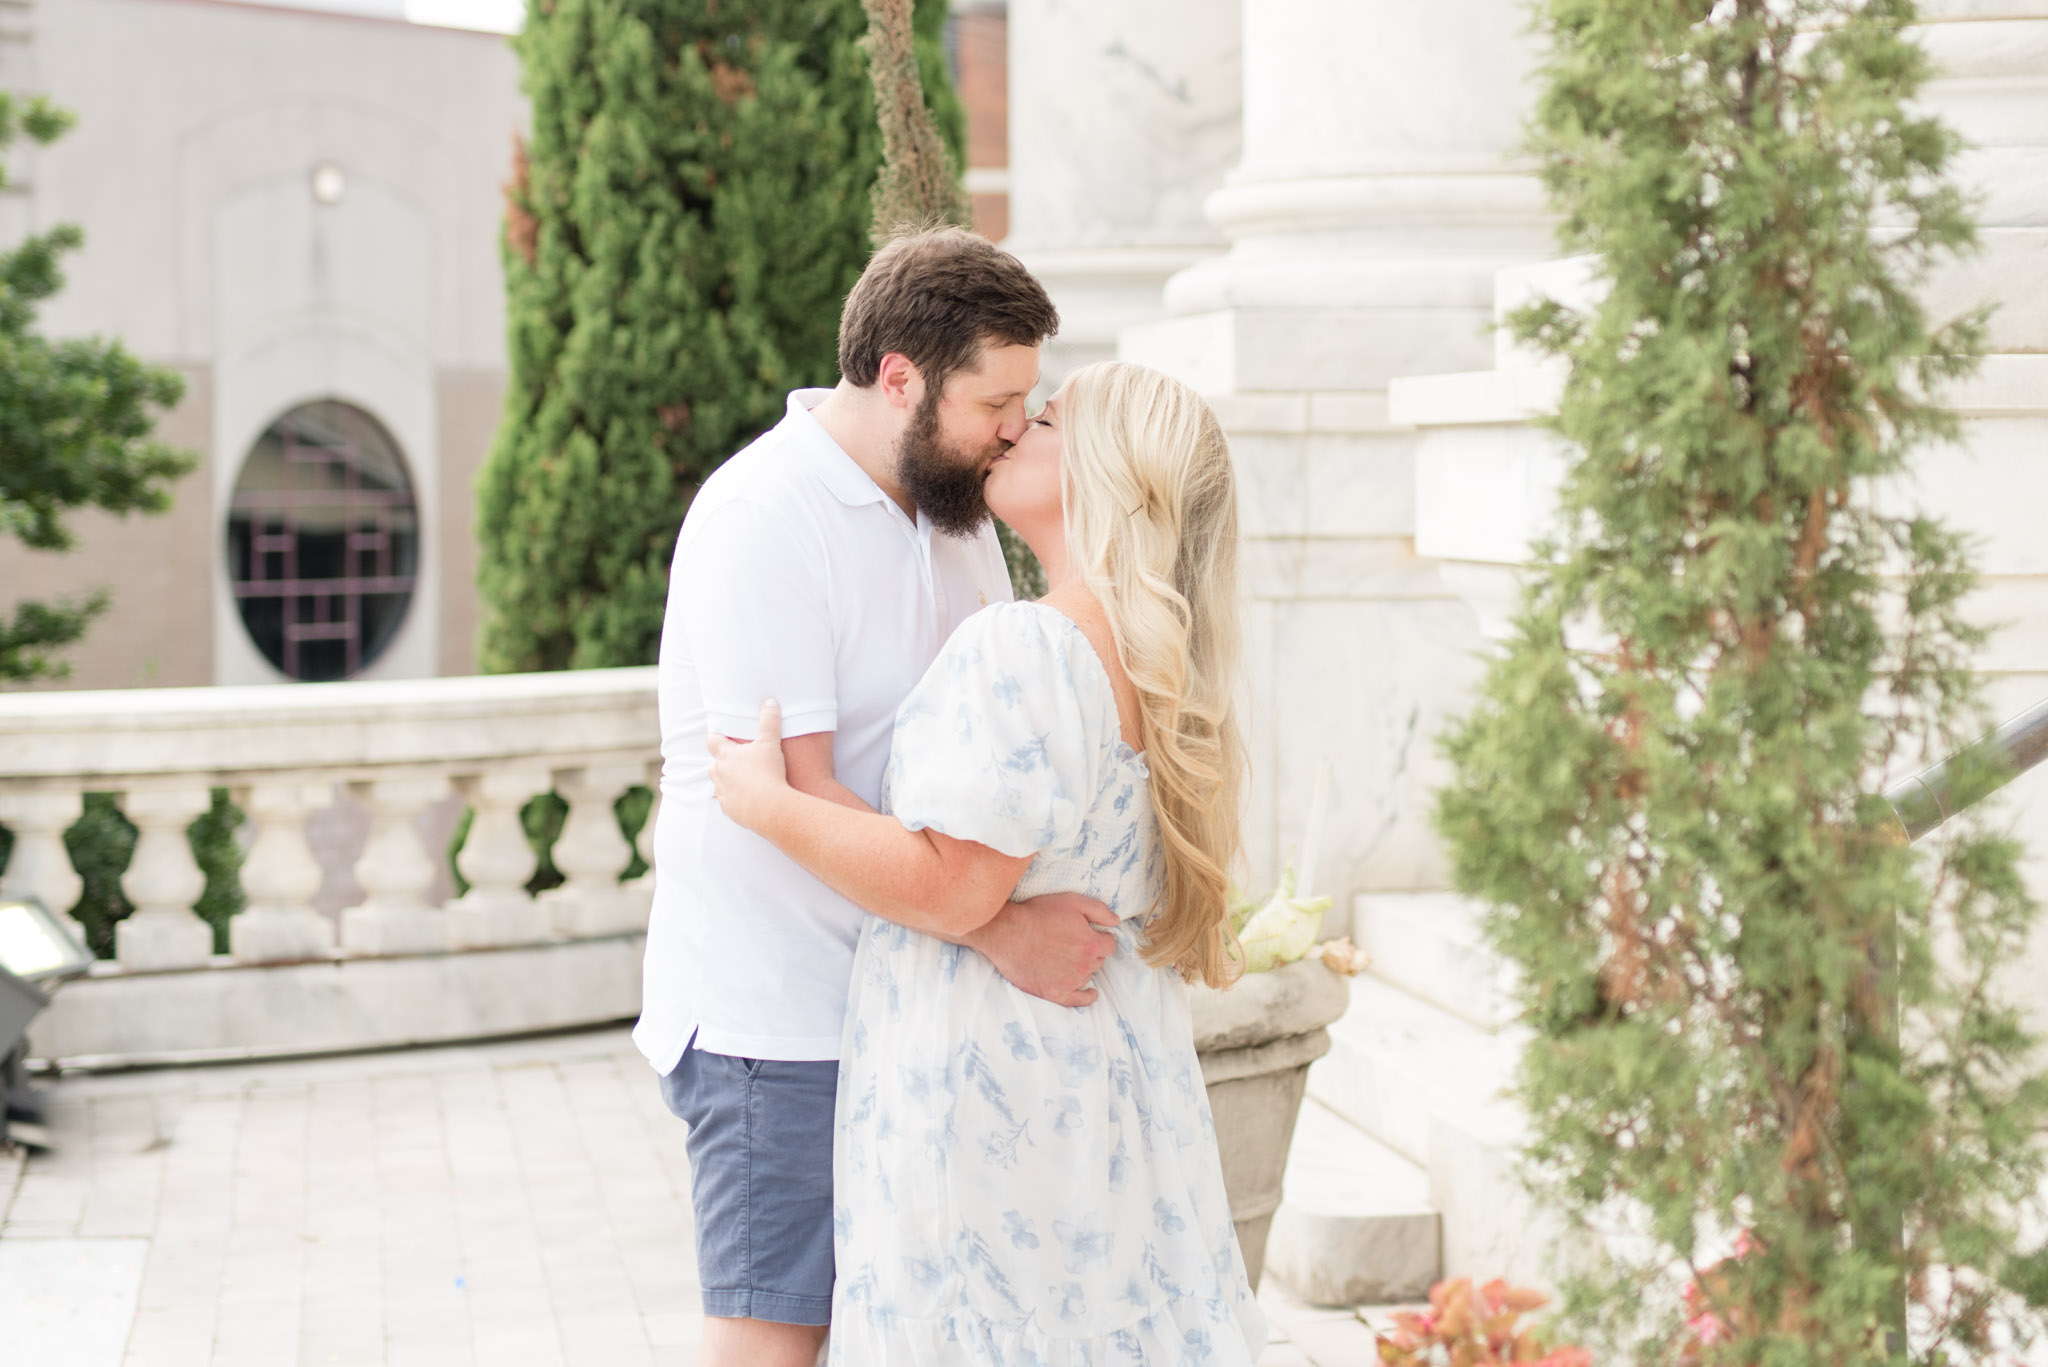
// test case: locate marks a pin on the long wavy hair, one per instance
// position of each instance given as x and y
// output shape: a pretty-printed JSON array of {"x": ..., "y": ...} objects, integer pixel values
[{"x": 1151, "y": 523}]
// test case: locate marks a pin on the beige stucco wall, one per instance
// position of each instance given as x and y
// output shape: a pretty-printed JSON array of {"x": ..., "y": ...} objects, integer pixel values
[
  {"x": 190, "y": 171},
  {"x": 158, "y": 632},
  {"x": 468, "y": 404}
]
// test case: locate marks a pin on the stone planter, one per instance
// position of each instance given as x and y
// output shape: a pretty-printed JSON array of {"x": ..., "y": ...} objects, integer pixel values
[{"x": 1256, "y": 1041}]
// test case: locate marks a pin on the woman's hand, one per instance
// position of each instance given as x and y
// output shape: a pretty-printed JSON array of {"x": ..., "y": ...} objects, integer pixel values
[{"x": 748, "y": 777}]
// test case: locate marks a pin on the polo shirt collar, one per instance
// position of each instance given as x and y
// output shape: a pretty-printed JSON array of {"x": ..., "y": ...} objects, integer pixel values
[{"x": 848, "y": 482}]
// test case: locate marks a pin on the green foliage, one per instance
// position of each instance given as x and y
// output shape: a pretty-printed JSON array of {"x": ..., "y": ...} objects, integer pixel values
[
  {"x": 633, "y": 808},
  {"x": 220, "y": 858},
  {"x": 102, "y": 841},
  {"x": 680, "y": 233},
  {"x": 1027, "y": 576},
  {"x": 1669, "y": 791},
  {"x": 75, "y": 421},
  {"x": 541, "y": 818}
]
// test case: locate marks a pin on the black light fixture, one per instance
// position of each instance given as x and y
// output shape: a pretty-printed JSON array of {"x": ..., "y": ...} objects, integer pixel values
[{"x": 38, "y": 949}]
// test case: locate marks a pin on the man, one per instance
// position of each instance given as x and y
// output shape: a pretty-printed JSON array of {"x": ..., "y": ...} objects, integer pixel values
[{"x": 823, "y": 566}]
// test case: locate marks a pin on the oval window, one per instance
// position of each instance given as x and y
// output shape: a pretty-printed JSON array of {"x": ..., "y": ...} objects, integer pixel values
[{"x": 323, "y": 541}]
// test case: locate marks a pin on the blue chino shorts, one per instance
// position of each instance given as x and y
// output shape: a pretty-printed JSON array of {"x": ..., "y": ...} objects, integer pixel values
[{"x": 760, "y": 1182}]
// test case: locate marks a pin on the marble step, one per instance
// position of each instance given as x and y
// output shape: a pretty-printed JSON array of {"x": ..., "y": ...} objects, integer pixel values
[
  {"x": 1356, "y": 1226},
  {"x": 1396, "y": 1061},
  {"x": 1430, "y": 944}
]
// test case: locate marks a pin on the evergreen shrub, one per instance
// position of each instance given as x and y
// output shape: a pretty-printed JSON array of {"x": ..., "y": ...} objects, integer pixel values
[
  {"x": 1761, "y": 1022},
  {"x": 681, "y": 230}
]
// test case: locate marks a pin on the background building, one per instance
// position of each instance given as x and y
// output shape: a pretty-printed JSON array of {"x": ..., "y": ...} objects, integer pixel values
[
  {"x": 291, "y": 208},
  {"x": 297, "y": 207}
]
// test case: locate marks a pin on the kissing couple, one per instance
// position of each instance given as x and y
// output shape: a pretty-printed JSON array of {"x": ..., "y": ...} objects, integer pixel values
[{"x": 933, "y": 868}]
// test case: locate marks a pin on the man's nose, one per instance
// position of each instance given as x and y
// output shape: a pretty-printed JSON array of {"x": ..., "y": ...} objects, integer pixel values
[{"x": 1012, "y": 426}]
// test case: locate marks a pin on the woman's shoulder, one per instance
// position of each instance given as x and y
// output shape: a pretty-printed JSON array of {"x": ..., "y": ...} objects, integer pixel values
[{"x": 1017, "y": 633}]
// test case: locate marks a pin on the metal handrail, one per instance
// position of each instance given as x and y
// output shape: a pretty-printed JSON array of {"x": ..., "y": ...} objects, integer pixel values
[{"x": 1972, "y": 774}]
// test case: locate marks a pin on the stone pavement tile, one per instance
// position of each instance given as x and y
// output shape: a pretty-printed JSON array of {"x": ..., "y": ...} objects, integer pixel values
[
  {"x": 1322, "y": 1336},
  {"x": 340, "y": 1328},
  {"x": 188, "y": 1350},
  {"x": 1283, "y": 1355},
  {"x": 674, "y": 1329},
  {"x": 1339, "y": 1342},
  {"x": 399, "y": 1353},
  {"x": 522, "y": 1338},
  {"x": 68, "y": 1301},
  {"x": 256, "y": 1340},
  {"x": 604, "y": 1341},
  {"x": 50, "y": 1202},
  {"x": 124, "y": 1124}
]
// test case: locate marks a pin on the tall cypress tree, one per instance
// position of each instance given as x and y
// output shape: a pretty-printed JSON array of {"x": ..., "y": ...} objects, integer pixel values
[
  {"x": 680, "y": 233},
  {"x": 1765, "y": 1037}
]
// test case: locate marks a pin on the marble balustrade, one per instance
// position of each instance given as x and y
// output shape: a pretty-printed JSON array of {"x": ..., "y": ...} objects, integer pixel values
[{"x": 399, "y": 747}]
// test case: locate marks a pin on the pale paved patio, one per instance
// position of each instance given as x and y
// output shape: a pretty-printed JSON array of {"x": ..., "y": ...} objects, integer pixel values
[{"x": 507, "y": 1205}]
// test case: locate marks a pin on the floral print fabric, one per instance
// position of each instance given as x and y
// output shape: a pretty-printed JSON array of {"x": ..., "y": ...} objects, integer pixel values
[{"x": 1017, "y": 1182}]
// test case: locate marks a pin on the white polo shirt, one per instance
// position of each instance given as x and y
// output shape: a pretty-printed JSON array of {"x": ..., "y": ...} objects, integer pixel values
[{"x": 795, "y": 578}]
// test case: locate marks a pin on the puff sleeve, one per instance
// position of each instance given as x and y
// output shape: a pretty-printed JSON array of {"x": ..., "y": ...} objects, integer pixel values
[{"x": 995, "y": 745}]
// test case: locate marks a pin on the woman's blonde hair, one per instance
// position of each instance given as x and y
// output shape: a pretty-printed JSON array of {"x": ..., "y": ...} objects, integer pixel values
[{"x": 1151, "y": 522}]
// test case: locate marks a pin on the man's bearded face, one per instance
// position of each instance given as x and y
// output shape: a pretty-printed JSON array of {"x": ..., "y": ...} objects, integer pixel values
[{"x": 942, "y": 478}]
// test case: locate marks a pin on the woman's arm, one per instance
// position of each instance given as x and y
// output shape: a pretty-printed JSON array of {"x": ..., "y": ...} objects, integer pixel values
[{"x": 921, "y": 879}]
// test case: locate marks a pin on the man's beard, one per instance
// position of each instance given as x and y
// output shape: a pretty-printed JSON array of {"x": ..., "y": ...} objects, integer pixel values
[{"x": 943, "y": 481}]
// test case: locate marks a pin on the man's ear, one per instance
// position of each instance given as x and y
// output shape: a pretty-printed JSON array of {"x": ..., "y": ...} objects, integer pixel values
[{"x": 899, "y": 381}]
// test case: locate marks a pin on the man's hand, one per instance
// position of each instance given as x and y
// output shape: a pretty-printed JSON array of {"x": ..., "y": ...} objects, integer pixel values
[{"x": 1049, "y": 946}]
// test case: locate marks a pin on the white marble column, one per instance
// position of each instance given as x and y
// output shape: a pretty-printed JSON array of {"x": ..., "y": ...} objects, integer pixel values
[
  {"x": 1992, "y": 88},
  {"x": 280, "y": 876},
  {"x": 396, "y": 871},
  {"x": 497, "y": 861},
  {"x": 163, "y": 881},
  {"x": 592, "y": 852},
  {"x": 40, "y": 866},
  {"x": 1376, "y": 198},
  {"x": 1123, "y": 117}
]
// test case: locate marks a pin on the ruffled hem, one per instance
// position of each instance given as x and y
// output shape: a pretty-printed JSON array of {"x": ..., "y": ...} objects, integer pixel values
[{"x": 1181, "y": 1333}]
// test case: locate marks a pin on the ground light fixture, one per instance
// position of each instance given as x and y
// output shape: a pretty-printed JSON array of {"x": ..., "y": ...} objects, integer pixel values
[{"x": 38, "y": 950}]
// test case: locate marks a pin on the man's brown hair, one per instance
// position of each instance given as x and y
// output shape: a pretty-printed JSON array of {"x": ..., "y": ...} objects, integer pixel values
[{"x": 938, "y": 296}]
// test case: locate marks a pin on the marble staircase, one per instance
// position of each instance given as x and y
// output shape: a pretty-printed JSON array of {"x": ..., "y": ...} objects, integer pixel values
[{"x": 1403, "y": 1166}]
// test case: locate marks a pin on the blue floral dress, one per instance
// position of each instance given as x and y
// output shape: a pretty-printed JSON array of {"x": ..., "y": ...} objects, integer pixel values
[{"x": 1017, "y": 1182}]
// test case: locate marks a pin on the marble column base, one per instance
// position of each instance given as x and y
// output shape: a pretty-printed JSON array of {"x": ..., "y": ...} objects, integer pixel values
[
  {"x": 481, "y": 920},
  {"x": 374, "y": 930},
  {"x": 581, "y": 913},
  {"x": 266, "y": 937},
  {"x": 151, "y": 941}
]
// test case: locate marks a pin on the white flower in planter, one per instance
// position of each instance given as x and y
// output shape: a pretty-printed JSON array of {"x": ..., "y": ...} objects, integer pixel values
[{"x": 1282, "y": 928}]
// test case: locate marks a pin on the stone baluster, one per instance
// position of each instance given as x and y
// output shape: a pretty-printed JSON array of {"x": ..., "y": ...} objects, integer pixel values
[
  {"x": 163, "y": 881},
  {"x": 592, "y": 853},
  {"x": 644, "y": 842},
  {"x": 280, "y": 876},
  {"x": 396, "y": 870},
  {"x": 40, "y": 866},
  {"x": 497, "y": 861}
]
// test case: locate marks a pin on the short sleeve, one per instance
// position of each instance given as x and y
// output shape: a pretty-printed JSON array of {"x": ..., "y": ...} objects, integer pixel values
[
  {"x": 755, "y": 610},
  {"x": 995, "y": 745}
]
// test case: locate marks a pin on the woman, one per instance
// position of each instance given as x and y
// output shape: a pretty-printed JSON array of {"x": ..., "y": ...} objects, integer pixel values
[{"x": 1016, "y": 1181}]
